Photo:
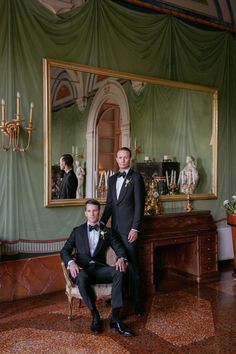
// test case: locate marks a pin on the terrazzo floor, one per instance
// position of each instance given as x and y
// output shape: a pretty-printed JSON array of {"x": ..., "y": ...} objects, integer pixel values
[{"x": 182, "y": 317}]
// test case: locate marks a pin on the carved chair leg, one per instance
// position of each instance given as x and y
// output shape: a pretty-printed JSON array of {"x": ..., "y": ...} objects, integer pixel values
[{"x": 70, "y": 303}]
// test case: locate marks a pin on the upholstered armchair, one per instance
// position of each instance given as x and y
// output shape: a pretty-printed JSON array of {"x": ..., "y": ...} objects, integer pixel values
[{"x": 101, "y": 290}]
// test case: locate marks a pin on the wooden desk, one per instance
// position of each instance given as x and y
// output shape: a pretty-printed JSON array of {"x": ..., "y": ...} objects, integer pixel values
[{"x": 184, "y": 242}]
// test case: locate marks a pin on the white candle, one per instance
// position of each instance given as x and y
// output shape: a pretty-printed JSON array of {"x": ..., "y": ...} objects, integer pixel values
[
  {"x": 167, "y": 179},
  {"x": 146, "y": 158},
  {"x": 174, "y": 177},
  {"x": 73, "y": 149},
  {"x": 100, "y": 181},
  {"x": 18, "y": 105},
  {"x": 179, "y": 179},
  {"x": 135, "y": 143},
  {"x": 182, "y": 177},
  {"x": 76, "y": 150},
  {"x": 3, "y": 111},
  {"x": 106, "y": 177},
  {"x": 31, "y": 112},
  {"x": 171, "y": 177}
]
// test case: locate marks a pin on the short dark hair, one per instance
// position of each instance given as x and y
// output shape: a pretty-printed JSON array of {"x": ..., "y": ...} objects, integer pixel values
[
  {"x": 124, "y": 148},
  {"x": 92, "y": 201},
  {"x": 68, "y": 159}
]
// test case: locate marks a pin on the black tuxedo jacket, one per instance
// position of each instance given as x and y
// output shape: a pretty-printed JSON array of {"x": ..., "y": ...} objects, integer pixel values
[
  {"x": 78, "y": 241},
  {"x": 126, "y": 211},
  {"x": 68, "y": 186}
]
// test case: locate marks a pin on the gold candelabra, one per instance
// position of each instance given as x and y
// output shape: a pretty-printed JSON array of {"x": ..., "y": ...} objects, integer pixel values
[
  {"x": 152, "y": 202},
  {"x": 187, "y": 188},
  {"x": 76, "y": 154},
  {"x": 136, "y": 150},
  {"x": 188, "y": 206},
  {"x": 11, "y": 129}
]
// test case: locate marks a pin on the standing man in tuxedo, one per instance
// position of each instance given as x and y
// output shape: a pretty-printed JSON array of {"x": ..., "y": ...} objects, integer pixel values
[
  {"x": 125, "y": 204},
  {"x": 69, "y": 181},
  {"x": 89, "y": 267}
]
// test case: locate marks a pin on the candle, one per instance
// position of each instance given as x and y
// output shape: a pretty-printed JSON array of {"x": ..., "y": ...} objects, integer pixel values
[
  {"x": 174, "y": 177},
  {"x": 18, "y": 105},
  {"x": 178, "y": 183},
  {"x": 182, "y": 177},
  {"x": 31, "y": 112},
  {"x": 106, "y": 178},
  {"x": 76, "y": 150},
  {"x": 135, "y": 143},
  {"x": 100, "y": 181},
  {"x": 3, "y": 111},
  {"x": 73, "y": 150},
  {"x": 146, "y": 158},
  {"x": 167, "y": 179}
]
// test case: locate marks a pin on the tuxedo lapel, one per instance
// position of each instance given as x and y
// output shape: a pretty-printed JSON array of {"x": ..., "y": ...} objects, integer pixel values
[
  {"x": 99, "y": 244},
  {"x": 124, "y": 187},
  {"x": 113, "y": 187},
  {"x": 85, "y": 239}
]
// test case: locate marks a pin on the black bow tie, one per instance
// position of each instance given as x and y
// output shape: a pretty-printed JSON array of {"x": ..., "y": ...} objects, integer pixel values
[
  {"x": 122, "y": 174},
  {"x": 94, "y": 227}
]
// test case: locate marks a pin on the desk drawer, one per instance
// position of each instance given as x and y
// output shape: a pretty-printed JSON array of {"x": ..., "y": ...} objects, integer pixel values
[
  {"x": 208, "y": 267},
  {"x": 207, "y": 241},
  {"x": 174, "y": 241}
]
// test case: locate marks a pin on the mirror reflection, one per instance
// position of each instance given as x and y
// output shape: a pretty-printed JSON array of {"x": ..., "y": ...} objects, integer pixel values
[{"x": 171, "y": 128}]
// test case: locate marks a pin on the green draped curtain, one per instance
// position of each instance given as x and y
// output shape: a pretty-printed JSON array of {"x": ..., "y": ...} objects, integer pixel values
[{"x": 102, "y": 33}]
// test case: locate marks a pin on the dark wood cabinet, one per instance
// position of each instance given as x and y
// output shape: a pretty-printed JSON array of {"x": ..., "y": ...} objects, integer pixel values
[
  {"x": 183, "y": 242},
  {"x": 159, "y": 169}
]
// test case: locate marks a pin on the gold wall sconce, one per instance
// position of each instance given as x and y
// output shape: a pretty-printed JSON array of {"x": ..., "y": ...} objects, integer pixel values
[{"x": 11, "y": 130}]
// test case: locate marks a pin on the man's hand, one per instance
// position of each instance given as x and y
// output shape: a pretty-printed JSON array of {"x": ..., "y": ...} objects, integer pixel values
[
  {"x": 133, "y": 235},
  {"x": 121, "y": 264},
  {"x": 74, "y": 269}
]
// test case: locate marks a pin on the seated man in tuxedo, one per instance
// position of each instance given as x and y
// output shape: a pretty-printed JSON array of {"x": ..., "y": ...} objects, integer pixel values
[
  {"x": 69, "y": 181},
  {"x": 89, "y": 266}
]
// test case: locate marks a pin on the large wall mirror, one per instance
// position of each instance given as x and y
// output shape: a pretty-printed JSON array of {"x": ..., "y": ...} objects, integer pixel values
[{"x": 89, "y": 112}]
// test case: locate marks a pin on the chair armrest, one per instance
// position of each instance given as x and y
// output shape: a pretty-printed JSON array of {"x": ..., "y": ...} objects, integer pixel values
[{"x": 69, "y": 282}]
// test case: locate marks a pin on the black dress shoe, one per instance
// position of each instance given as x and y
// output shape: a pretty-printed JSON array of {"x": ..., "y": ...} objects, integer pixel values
[
  {"x": 120, "y": 327},
  {"x": 96, "y": 325}
]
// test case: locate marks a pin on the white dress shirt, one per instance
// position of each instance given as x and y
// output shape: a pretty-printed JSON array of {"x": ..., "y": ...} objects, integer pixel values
[
  {"x": 93, "y": 237},
  {"x": 119, "y": 183}
]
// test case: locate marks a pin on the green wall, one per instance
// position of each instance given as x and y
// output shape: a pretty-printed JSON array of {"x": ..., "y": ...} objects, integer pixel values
[{"x": 104, "y": 34}]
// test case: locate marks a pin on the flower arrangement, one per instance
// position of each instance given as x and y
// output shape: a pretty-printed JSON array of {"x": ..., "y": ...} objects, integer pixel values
[
  {"x": 230, "y": 206},
  {"x": 128, "y": 181}
]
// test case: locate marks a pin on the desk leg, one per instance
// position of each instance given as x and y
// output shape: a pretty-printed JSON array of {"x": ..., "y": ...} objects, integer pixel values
[{"x": 233, "y": 228}]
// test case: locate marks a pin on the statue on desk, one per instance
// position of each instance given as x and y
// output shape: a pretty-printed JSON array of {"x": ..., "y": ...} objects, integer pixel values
[{"x": 189, "y": 176}]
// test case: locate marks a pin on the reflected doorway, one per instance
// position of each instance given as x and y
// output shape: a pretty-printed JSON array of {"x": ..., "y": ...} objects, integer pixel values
[{"x": 108, "y": 137}]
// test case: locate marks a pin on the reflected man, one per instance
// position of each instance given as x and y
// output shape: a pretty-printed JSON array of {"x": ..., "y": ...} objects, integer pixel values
[{"x": 69, "y": 181}]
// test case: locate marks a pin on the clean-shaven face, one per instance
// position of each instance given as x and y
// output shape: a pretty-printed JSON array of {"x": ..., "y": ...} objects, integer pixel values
[
  {"x": 62, "y": 164},
  {"x": 123, "y": 159},
  {"x": 92, "y": 213}
]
